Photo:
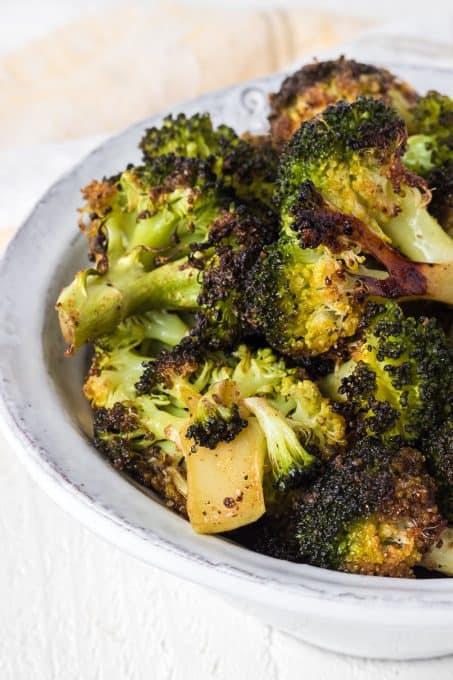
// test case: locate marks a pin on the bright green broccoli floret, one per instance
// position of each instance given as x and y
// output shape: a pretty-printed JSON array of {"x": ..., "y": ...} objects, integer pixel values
[
  {"x": 139, "y": 434},
  {"x": 430, "y": 143},
  {"x": 352, "y": 155},
  {"x": 160, "y": 209},
  {"x": 247, "y": 164},
  {"x": 289, "y": 460},
  {"x": 398, "y": 376}
]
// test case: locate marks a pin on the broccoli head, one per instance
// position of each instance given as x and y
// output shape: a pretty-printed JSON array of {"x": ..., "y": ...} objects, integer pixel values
[
  {"x": 160, "y": 208},
  {"x": 371, "y": 511},
  {"x": 218, "y": 250},
  {"x": 352, "y": 155},
  {"x": 247, "y": 164},
  {"x": 312, "y": 88},
  {"x": 398, "y": 375},
  {"x": 308, "y": 291},
  {"x": 125, "y": 435},
  {"x": 222, "y": 393}
]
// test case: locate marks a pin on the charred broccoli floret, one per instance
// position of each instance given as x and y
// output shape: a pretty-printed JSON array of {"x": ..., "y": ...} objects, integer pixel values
[
  {"x": 247, "y": 164},
  {"x": 138, "y": 434},
  {"x": 430, "y": 144},
  {"x": 352, "y": 155},
  {"x": 160, "y": 208},
  {"x": 312, "y": 88},
  {"x": 303, "y": 299},
  {"x": 372, "y": 511},
  {"x": 220, "y": 244},
  {"x": 117, "y": 360},
  {"x": 223, "y": 392},
  {"x": 309, "y": 289},
  {"x": 398, "y": 376}
]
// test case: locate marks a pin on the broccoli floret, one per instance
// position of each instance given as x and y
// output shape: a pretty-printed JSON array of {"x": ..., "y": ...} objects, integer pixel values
[
  {"x": 122, "y": 433},
  {"x": 139, "y": 434},
  {"x": 437, "y": 446},
  {"x": 308, "y": 291},
  {"x": 371, "y": 511},
  {"x": 397, "y": 378},
  {"x": 117, "y": 361},
  {"x": 248, "y": 164},
  {"x": 312, "y": 88},
  {"x": 216, "y": 417},
  {"x": 352, "y": 155},
  {"x": 161, "y": 207},
  {"x": 430, "y": 144},
  {"x": 221, "y": 249},
  {"x": 217, "y": 390},
  {"x": 303, "y": 300},
  {"x": 189, "y": 378}
]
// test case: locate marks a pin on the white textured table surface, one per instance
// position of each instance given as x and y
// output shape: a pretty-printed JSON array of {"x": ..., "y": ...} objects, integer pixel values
[{"x": 75, "y": 608}]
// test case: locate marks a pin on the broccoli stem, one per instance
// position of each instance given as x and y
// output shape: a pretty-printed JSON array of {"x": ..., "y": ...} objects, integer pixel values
[
  {"x": 288, "y": 458},
  {"x": 417, "y": 234},
  {"x": 94, "y": 304}
]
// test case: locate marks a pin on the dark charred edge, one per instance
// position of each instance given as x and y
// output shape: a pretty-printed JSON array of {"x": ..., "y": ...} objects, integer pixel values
[
  {"x": 164, "y": 174},
  {"x": 354, "y": 79},
  {"x": 440, "y": 182},
  {"x": 139, "y": 458},
  {"x": 215, "y": 429},
  {"x": 318, "y": 224},
  {"x": 183, "y": 360}
]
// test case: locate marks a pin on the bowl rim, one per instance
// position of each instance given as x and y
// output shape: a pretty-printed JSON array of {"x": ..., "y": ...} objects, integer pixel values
[{"x": 264, "y": 585}]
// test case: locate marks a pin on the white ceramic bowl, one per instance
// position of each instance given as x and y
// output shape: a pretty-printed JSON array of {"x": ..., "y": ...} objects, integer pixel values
[{"x": 48, "y": 423}]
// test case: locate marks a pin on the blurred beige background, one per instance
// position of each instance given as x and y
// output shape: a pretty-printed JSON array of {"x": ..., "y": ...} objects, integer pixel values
[
  {"x": 123, "y": 62},
  {"x": 71, "y": 73}
]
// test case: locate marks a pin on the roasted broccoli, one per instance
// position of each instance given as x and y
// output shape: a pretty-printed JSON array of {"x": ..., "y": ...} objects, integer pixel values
[
  {"x": 222, "y": 392},
  {"x": 218, "y": 242},
  {"x": 352, "y": 155},
  {"x": 315, "y": 86},
  {"x": 248, "y": 164},
  {"x": 138, "y": 434},
  {"x": 371, "y": 511},
  {"x": 309, "y": 289},
  {"x": 430, "y": 143},
  {"x": 397, "y": 378}
]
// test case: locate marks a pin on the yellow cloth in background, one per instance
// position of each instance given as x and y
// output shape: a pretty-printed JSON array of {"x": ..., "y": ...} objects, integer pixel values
[{"x": 116, "y": 67}]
